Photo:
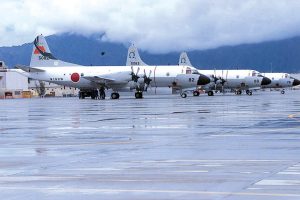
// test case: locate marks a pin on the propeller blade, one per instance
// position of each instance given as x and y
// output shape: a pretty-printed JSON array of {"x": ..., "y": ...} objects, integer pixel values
[
  {"x": 134, "y": 76},
  {"x": 150, "y": 73},
  {"x": 147, "y": 80}
]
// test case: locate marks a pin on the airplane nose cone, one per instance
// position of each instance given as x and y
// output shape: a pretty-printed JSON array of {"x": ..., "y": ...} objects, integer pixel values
[
  {"x": 203, "y": 80},
  {"x": 296, "y": 82},
  {"x": 265, "y": 81}
]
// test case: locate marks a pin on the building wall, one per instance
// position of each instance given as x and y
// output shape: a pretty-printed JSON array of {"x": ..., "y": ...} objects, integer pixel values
[
  {"x": 15, "y": 81},
  {"x": 12, "y": 85},
  {"x": 52, "y": 89}
]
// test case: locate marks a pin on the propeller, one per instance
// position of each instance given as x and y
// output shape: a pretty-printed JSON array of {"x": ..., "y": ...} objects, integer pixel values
[
  {"x": 134, "y": 76},
  {"x": 147, "y": 79},
  {"x": 214, "y": 76},
  {"x": 222, "y": 80}
]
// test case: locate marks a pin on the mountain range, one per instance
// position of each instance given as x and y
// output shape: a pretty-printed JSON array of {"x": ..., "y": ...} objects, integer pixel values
[{"x": 276, "y": 56}]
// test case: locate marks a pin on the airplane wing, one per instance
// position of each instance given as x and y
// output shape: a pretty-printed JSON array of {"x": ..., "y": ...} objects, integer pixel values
[
  {"x": 113, "y": 78},
  {"x": 29, "y": 69},
  {"x": 98, "y": 79}
]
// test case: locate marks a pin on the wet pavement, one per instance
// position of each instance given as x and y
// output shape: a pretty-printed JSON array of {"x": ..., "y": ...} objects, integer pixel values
[{"x": 160, "y": 147}]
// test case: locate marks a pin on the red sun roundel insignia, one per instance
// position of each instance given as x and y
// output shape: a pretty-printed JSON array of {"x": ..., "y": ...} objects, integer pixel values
[{"x": 75, "y": 77}]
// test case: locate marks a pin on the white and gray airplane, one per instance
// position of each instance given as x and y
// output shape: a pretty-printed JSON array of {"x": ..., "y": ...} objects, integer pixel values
[
  {"x": 236, "y": 80},
  {"x": 134, "y": 59},
  {"x": 220, "y": 79},
  {"x": 45, "y": 67},
  {"x": 280, "y": 81}
]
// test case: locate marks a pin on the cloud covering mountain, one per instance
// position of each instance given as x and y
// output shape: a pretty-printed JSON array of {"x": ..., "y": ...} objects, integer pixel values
[
  {"x": 154, "y": 25},
  {"x": 280, "y": 56}
]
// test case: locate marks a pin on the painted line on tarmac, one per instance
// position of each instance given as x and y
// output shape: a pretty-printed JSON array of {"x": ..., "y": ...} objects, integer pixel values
[
  {"x": 279, "y": 182},
  {"x": 91, "y": 144},
  {"x": 191, "y": 171},
  {"x": 140, "y": 191},
  {"x": 207, "y": 161}
]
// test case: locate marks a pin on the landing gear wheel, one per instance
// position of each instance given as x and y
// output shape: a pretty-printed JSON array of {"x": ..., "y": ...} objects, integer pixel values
[
  {"x": 196, "y": 93},
  {"x": 138, "y": 95},
  {"x": 183, "y": 95},
  {"x": 102, "y": 95},
  {"x": 238, "y": 92},
  {"x": 115, "y": 95},
  {"x": 94, "y": 94},
  {"x": 282, "y": 92},
  {"x": 210, "y": 93},
  {"x": 249, "y": 92},
  {"x": 81, "y": 95}
]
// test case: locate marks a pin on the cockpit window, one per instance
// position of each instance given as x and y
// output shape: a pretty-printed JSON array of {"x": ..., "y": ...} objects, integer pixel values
[
  {"x": 254, "y": 73},
  {"x": 188, "y": 70},
  {"x": 194, "y": 71}
]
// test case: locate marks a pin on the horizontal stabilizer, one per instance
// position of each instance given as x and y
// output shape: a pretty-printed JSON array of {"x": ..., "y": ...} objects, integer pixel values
[{"x": 29, "y": 69}]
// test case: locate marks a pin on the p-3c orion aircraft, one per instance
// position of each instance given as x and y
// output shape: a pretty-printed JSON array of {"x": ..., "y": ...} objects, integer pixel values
[
  {"x": 45, "y": 67},
  {"x": 281, "y": 81},
  {"x": 236, "y": 80},
  {"x": 134, "y": 59}
]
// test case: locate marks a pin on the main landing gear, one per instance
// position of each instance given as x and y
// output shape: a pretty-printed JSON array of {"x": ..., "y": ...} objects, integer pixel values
[
  {"x": 196, "y": 93},
  {"x": 88, "y": 93},
  {"x": 238, "y": 92},
  {"x": 210, "y": 93},
  {"x": 115, "y": 95},
  {"x": 249, "y": 92},
  {"x": 183, "y": 95},
  {"x": 138, "y": 94}
]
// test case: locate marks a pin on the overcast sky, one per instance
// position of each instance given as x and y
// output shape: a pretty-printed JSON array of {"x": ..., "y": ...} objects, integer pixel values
[{"x": 153, "y": 25}]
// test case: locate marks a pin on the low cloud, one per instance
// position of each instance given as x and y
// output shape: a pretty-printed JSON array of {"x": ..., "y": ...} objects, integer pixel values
[{"x": 153, "y": 25}]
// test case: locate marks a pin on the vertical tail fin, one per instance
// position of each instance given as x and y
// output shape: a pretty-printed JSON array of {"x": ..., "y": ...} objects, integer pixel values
[
  {"x": 41, "y": 55},
  {"x": 184, "y": 59},
  {"x": 133, "y": 57}
]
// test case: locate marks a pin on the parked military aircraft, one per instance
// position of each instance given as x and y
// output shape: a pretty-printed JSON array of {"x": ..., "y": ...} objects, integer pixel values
[
  {"x": 280, "y": 80},
  {"x": 45, "y": 67},
  {"x": 221, "y": 79},
  {"x": 236, "y": 80}
]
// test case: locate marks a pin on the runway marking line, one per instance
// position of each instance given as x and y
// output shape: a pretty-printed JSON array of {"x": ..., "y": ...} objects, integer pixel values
[
  {"x": 92, "y": 190},
  {"x": 96, "y": 143}
]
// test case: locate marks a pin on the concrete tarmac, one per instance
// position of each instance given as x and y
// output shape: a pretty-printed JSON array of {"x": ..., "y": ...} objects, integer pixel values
[{"x": 160, "y": 147}]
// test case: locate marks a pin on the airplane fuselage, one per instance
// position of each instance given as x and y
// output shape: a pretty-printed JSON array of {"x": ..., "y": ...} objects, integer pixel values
[
  {"x": 115, "y": 77},
  {"x": 279, "y": 80},
  {"x": 234, "y": 79}
]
